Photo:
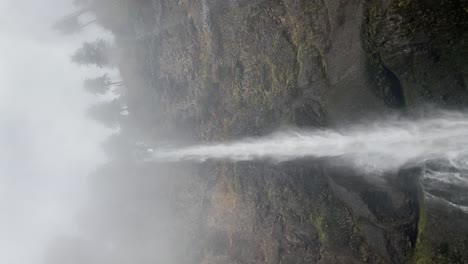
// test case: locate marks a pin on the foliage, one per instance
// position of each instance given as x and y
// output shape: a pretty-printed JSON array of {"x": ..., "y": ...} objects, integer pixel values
[
  {"x": 124, "y": 146},
  {"x": 68, "y": 25},
  {"x": 99, "y": 85},
  {"x": 71, "y": 24},
  {"x": 93, "y": 53},
  {"x": 108, "y": 113}
]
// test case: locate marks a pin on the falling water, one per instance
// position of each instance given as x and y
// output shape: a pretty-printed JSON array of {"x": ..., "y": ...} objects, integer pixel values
[
  {"x": 436, "y": 142},
  {"x": 383, "y": 145}
]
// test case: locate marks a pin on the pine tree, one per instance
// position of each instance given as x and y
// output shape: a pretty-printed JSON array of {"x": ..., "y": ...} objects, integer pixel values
[
  {"x": 71, "y": 24},
  {"x": 95, "y": 52},
  {"x": 109, "y": 113},
  {"x": 99, "y": 85}
]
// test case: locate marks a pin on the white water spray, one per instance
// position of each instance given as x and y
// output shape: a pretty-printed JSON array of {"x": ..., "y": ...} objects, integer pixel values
[{"x": 378, "y": 146}]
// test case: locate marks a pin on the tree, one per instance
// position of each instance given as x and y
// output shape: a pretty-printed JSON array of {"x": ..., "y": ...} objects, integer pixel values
[
  {"x": 96, "y": 52},
  {"x": 117, "y": 146},
  {"x": 109, "y": 113},
  {"x": 124, "y": 145},
  {"x": 71, "y": 24},
  {"x": 99, "y": 85}
]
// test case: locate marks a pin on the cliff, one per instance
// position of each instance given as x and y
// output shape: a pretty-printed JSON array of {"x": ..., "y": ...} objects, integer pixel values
[{"x": 220, "y": 70}]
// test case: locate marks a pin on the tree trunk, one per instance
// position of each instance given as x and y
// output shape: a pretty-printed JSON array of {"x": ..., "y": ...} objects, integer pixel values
[
  {"x": 79, "y": 12},
  {"x": 88, "y": 23},
  {"x": 115, "y": 83}
]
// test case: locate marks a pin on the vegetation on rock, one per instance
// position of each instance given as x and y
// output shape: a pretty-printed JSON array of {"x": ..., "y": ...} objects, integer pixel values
[{"x": 219, "y": 70}]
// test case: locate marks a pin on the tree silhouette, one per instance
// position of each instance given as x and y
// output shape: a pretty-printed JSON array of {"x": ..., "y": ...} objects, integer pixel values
[
  {"x": 117, "y": 146},
  {"x": 99, "y": 85},
  {"x": 71, "y": 24},
  {"x": 95, "y": 52},
  {"x": 108, "y": 113},
  {"x": 124, "y": 145}
]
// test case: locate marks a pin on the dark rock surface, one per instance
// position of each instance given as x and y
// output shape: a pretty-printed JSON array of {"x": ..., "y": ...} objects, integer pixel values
[{"x": 221, "y": 70}]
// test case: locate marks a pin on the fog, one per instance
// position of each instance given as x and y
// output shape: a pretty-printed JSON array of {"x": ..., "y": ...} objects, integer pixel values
[
  {"x": 104, "y": 129},
  {"x": 62, "y": 198},
  {"x": 47, "y": 145}
]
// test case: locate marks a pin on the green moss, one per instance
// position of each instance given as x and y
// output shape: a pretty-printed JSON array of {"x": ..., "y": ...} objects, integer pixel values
[
  {"x": 422, "y": 252},
  {"x": 422, "y": 221},
  {"x": 333, "y": 223},
  {"x": 268, "y": 193},
  {"x": 236, "y": 180},
  {"x": 430, "y": 249},
  {"x": 207, "y": 98},
  {"x": 321, "y": 227}
]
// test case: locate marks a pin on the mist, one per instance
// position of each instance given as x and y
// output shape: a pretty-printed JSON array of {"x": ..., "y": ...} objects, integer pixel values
[
  {"x": 212, "y": 132},
  {"x": 47, "y": 145}
]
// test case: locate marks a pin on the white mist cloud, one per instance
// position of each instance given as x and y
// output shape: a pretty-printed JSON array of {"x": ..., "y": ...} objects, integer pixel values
[{"x": 47, "y": 146}]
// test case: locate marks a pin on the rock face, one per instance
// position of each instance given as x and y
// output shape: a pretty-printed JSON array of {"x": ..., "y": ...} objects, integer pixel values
[
  {"x": 420, "y": 44},
  {"x": 220, "y": 70}
]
